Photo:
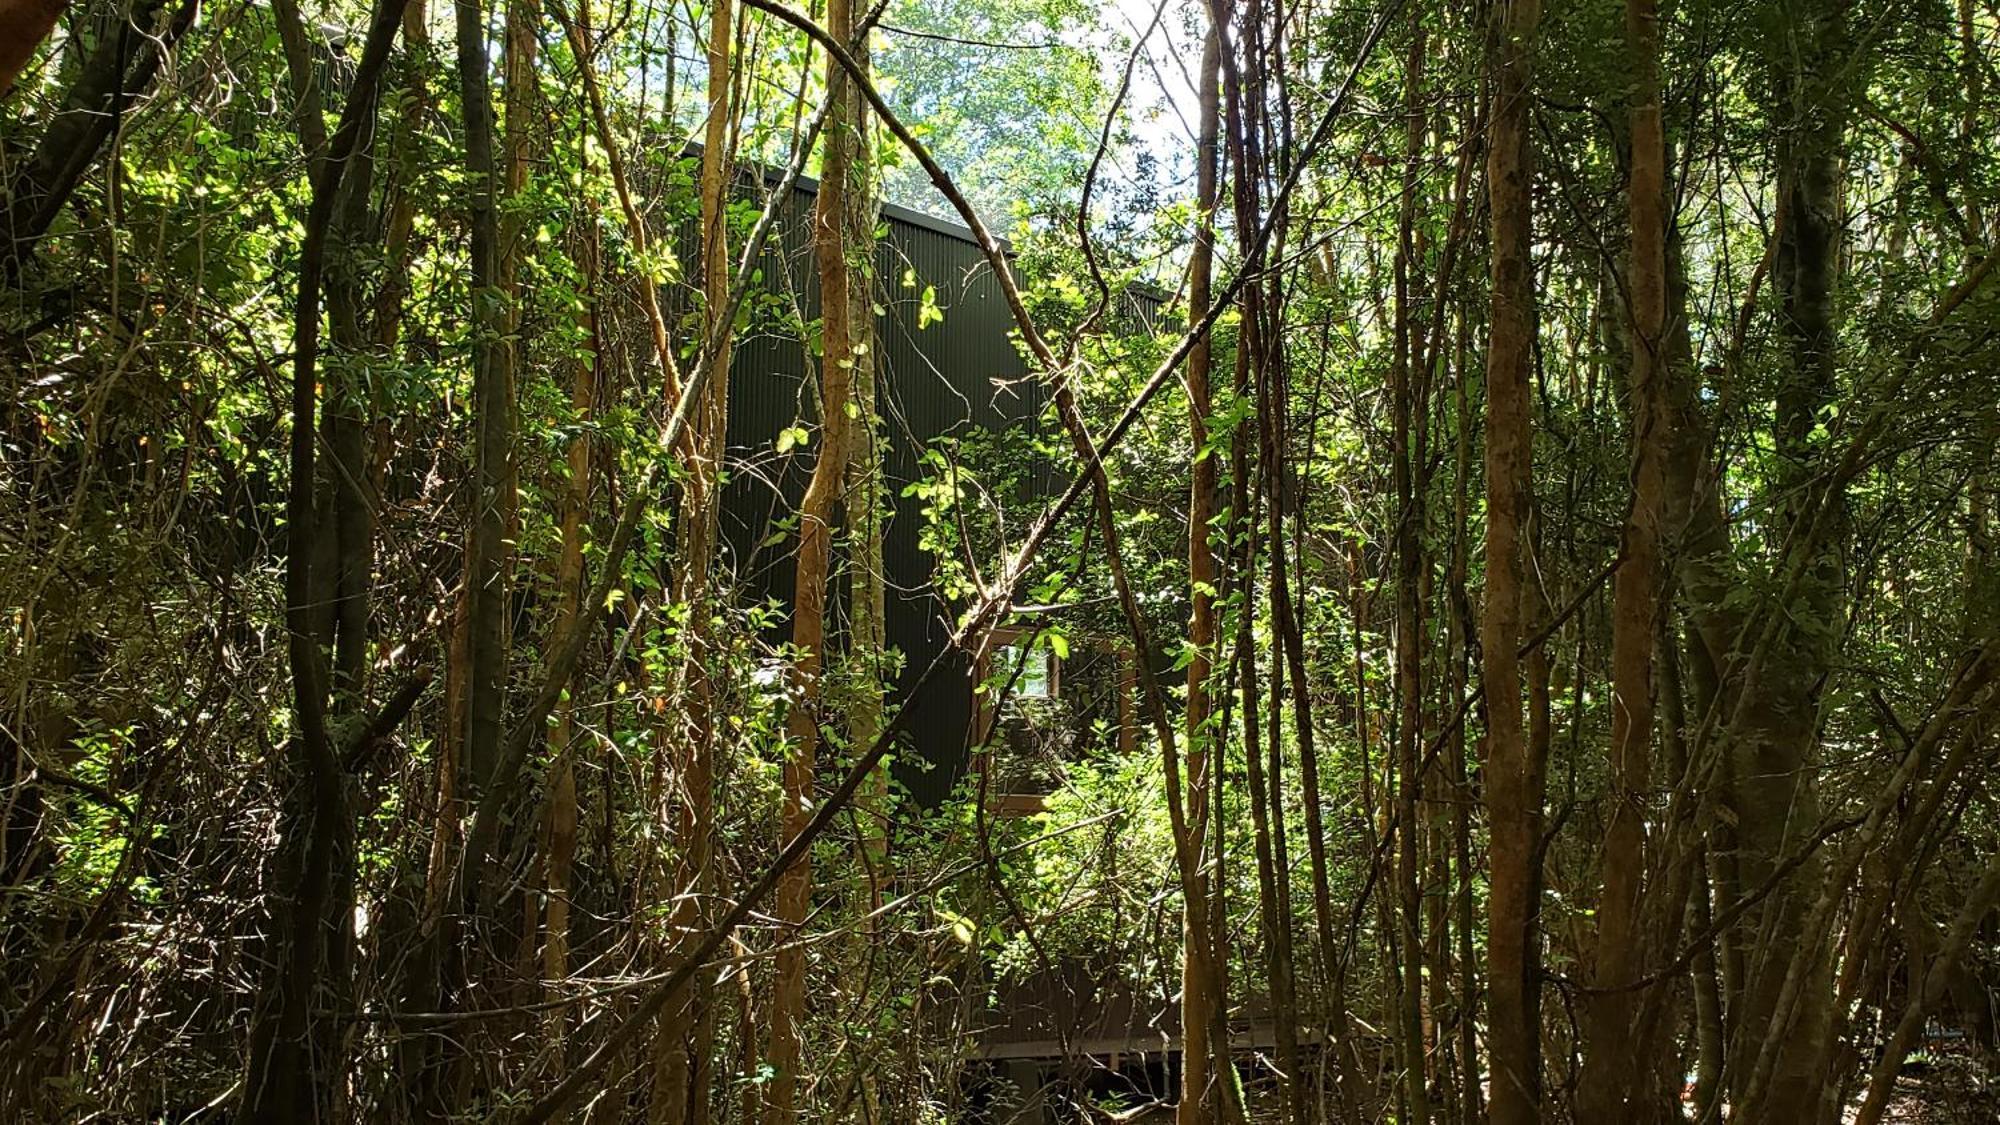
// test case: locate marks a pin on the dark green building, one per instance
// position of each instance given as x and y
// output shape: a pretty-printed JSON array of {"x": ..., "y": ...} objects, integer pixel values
[{"x": 936, "y": 378}]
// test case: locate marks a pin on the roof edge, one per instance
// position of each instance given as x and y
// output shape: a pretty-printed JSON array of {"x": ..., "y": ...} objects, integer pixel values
[{"x": 909, "y": 216}]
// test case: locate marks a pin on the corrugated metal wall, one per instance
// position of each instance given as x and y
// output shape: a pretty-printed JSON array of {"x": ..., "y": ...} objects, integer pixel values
[{"x": 943, "y": 379}]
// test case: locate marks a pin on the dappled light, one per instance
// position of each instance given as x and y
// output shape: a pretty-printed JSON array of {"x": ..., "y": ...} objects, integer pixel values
[{"x": 1000, "y": 562}]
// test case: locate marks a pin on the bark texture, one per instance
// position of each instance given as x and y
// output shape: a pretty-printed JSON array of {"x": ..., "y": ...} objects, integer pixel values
[
  {"x": 816, "y": 520},
  {"x": 1513, "y": 767}
]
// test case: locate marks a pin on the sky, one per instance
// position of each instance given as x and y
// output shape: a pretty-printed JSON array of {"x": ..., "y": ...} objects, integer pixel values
[{"x": 1163, "y": 106}]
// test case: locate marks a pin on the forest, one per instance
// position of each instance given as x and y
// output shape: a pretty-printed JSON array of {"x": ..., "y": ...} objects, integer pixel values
[{"x": 1000, "y": 562}]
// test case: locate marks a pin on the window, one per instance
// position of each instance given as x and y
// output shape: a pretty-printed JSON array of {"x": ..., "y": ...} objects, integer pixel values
[
  {"x": 1037, "y": 679},
  {"x": 1054, "y": 711}
]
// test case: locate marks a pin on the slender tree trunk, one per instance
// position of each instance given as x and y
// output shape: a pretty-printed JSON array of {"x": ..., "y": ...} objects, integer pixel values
[
  {"x": 1463, "y": 630},
  {"x": 1269, "y": 904},
  {"x": 296, "y": 1060},
  {"x": 1339, "y": 1049},
  {"x": 687, "y": 1039},
  {"x": 1258, "y": 365},
  {"x": 1409, "y": 654},
  {"x": 523, "y": 141},
  {"x": 866, "y": 505},
  {"x": 482, "y": 683},
  {"x": 559, "y": 820},
  {"x": 1972, "y": 69},
  {"x": 1273, "y": 397},
  {"x": 1609, "y": 1086},
  {"x": 1511, "y": 774},
  {"x": 816, "y": 515},
  {"x": 865, "y": 499},
  {"x": 420, "y": 984},
  {"x": 1198, "y": 995},
  {"x": 1264, "y": 772},
  {"x": 493, "y": 500}
]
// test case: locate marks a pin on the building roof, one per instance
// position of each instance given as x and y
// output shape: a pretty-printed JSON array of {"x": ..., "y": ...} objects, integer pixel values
[{"x": 950, "y": 228}]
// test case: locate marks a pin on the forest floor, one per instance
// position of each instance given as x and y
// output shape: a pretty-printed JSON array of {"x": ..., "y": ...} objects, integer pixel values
[{"x": 1954, "y": 1090}]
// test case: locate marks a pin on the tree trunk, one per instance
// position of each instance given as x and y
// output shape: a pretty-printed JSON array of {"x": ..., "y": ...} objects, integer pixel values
[
  {"x": 1614, "y": 1056},
  {"x": 868, "y": 643},
  {"x": 296, "y": 1065},
  {"x": 1198, "y": 997},
  {"x": 1259, "y": 366},
  {"x": 687, "y": 1038},
  {"x": 118, "y": 71},
  {"x": 559, "y": 821},
  {"x": 24, "y": 24},
  {"x": 816, "y": 514},
  {"x": 1773, "y": 1058},
  {"x": 1409, "y": 654},
  {"x": 493, "y": 499},
  {"x": 866, "y": 509},
  {"x": 1511, "y": 773},
  {"x": 1463, "y": 630}
]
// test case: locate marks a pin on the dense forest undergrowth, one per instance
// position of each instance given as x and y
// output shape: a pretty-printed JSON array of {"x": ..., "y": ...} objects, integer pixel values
[{"x": 1000, "y": 561}]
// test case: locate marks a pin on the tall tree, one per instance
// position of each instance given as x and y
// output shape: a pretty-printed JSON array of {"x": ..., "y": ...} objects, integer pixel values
[
  {"x": 1615, "y": 1060},
  {"x": 816, "y": 517},
  {"x": 493, "y": 500},
  {"x": 1512, "y": 772},
  {"x": 868, "y": 641},
  {"x": 1408, "y": 415},
  {"x": 687, "y": 1043},
  {"x": 1782, "y": 1015},
  {"x": 296, "y": 1059},
  {"x": 1199, "y": 997},
  {"x": 559, "y": 821}
]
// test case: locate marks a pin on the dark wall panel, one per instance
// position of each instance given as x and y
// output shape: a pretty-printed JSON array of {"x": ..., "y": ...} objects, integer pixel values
[{"x": 946, "y": 378}]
